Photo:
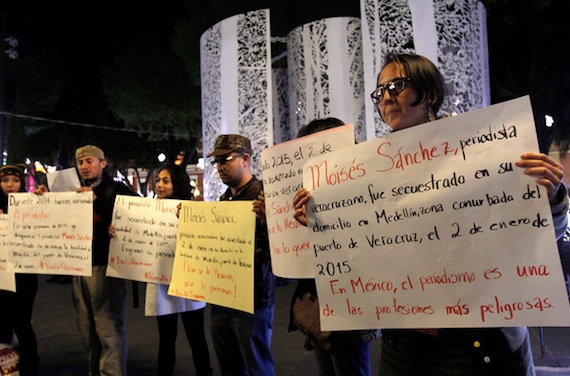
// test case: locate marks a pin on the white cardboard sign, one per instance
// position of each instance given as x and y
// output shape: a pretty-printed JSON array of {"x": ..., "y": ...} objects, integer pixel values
[{"x": 435, "y": 226}]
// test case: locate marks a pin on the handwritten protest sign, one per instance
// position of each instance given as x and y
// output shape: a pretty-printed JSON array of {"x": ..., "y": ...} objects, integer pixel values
[
  {"x": 214, "y": 254},
  {"x": 282, "y": 167},
  {"x": 145, "y": 241},
  {"x": 50, "y": 233},
  {"x": 7, "y": 280},
  {"x": 436, "y": 227}
]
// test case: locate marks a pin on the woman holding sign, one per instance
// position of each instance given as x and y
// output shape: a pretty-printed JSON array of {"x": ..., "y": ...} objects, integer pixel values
[
  {"x": 347, "y": 352},
  {"x": 173, "y": 182},
  {"x": 16, "y": 308},
  {"x": 410, "y": 91}
]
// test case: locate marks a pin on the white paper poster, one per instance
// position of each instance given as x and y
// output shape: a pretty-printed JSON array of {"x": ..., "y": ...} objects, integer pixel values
[
  {"x": 51, "y": 233},
  {"x": 145, "y": 241},
  {"x": 65, "y": 180},
  {"x": 435, "y": 226},
  {"x": 7, "y": 280},
  {"x": 282, "y": 167}
]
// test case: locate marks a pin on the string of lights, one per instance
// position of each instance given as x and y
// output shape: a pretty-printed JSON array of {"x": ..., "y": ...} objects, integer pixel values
[{"x": 36, "y": 118}]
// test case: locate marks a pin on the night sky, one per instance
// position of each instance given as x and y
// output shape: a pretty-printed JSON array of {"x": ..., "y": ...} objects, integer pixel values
[{"x": 86, "y": 35}]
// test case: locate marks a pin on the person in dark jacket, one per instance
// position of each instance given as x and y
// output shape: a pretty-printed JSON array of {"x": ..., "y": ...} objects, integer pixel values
[
  {"x": 410, "y": 91},
  {"x": 98, "y": 299},
  {"x": 349, "y": 354},
  {"x": 17, "y": 307},
  {"x": 242, "y": 340}
]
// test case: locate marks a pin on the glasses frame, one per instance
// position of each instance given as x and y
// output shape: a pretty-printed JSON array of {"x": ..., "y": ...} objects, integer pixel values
[
  {"x": 378, "y": 94},
  {"x": 222, "y": 161}
]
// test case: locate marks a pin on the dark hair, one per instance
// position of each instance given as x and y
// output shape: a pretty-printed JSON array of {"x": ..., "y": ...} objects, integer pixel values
[
  {"x": 3, "y": 202},
  {"x": 318, "y": 125},
  {"x": 425, "y": 77},
  {"x": 181, "y": 188}
]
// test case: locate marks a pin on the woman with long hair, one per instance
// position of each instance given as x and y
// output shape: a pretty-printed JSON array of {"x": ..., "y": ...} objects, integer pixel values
[
  {"x": 16, "y": 307},
  {"x": 173, "y": 182}
]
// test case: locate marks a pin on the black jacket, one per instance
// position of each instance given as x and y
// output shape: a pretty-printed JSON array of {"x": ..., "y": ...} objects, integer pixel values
[
  {"x": 264, "y": 280},
  {"x": 106, "y": 191}
]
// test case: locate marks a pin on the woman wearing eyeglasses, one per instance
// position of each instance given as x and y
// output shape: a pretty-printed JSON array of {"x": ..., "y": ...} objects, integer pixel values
[
  {"x": 410, "y": 92},
  {"x": 401, "y": 108}
]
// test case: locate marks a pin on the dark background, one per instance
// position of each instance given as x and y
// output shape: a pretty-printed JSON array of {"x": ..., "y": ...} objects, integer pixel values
[{"x": 73, "y": 54}]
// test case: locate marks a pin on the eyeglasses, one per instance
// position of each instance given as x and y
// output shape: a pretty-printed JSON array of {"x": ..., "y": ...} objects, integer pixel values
[
  {"x": 221, "y": 161},
  {"x": 394, "y": 87}
]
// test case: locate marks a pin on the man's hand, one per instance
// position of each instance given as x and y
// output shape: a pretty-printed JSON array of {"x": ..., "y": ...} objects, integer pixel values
[
  {"x": 259, "y": 207},
  {"x": 40, "y": 190},
  {"x": 86, "y": 189}
]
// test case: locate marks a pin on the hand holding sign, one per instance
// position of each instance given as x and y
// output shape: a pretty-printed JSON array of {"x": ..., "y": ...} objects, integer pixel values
[
  {"x": 282, "y": 178},
  {"x": 45, "y": 239},
  {"x": 214, "y": 254},
  {"x": 438, "y": 230}
]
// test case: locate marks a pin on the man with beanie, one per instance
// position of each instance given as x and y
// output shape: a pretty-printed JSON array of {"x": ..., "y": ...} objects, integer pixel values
[
  {"x": 100, "y": 300},
  {"x": 241, "y": 340}
]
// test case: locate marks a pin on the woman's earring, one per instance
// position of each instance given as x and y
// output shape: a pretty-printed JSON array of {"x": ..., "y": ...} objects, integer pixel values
[{"x": 430, "y": 114}]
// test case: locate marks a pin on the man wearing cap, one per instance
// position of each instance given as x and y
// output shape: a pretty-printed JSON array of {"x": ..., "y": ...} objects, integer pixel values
[
  {"x": 100, "y": 300},
  {"x": 241, "y": 340}
]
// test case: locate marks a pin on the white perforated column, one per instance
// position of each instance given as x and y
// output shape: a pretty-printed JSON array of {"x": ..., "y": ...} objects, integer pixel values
[
  {"x": 453, "y": 37},
  {"x": 236, "y": 88},
  {"x": 325, "y": 72}
]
